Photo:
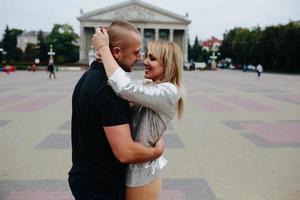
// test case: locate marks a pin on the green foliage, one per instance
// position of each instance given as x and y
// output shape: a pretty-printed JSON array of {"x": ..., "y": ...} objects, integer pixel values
[
  {"x": 196, "y": 51},
  {"x": 9, "y": 42},
  {"x": 42, "y": 53},
  {"x": 30, "y": 52},
  {"x": 276, "y": 47},
  {"x": 18, "y": 54},
  {"x": 63, "y": 39},
  {"x": 190, "y": 49}
]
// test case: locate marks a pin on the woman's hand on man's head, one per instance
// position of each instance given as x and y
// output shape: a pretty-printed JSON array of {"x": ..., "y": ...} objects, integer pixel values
[{"x": 100, "y": 39}]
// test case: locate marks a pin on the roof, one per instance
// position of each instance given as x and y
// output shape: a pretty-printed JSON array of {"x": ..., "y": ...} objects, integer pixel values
[
  {"x": 211, "y": 42},
  {"x": 33, "y": 33},
  {"x": 88, "y": 15}
]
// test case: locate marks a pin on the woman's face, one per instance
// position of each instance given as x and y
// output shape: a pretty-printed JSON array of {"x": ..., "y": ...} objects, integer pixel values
[{"x": 154, "y": 70}]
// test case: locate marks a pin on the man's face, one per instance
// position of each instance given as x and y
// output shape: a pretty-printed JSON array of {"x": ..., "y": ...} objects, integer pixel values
[{"x": 130, "y": 54}]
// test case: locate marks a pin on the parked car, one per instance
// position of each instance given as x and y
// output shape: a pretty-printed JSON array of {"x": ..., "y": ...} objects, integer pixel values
[
  {"x": 251, "y": 68},
  {"x": 188, "y": 66},
  {"x": 231, "y": 66},
  {"x": 7, "y": 68},
  {"x": 200, "y": 65}
]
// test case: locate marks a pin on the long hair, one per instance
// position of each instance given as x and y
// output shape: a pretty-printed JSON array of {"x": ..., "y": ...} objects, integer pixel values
[{"x": 170, "y": 56}]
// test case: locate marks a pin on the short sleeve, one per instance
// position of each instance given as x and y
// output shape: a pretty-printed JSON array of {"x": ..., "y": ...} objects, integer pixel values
[{"x": 112, "y": 109}]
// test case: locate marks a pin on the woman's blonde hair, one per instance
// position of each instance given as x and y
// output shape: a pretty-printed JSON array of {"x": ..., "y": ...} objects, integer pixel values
[{"x": 170, "y": 56}]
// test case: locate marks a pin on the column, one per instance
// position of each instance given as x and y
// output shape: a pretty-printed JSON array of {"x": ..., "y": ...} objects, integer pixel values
[
  {"x": 82, "y": 53},
  {"x": 185, "y": 45},
  {"x": 171, "y": 35},
  {"x": 142, "y": 36},
  {"x": 156, "y": 34}
]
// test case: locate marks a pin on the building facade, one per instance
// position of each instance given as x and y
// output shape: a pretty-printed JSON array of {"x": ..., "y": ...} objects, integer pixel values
[
  {"x": 30, "y": 37},
  {"x": 153, "y": 22}
]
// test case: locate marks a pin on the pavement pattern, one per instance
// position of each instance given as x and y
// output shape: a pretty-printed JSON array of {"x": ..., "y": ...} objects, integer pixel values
[{"x": 239, "y": 138}]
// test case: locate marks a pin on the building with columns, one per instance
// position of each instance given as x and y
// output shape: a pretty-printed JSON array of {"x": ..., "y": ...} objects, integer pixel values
[{"x": 153, "y": 22}]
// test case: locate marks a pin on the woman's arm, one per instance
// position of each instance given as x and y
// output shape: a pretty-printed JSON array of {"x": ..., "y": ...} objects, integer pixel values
[
  {"x": 154, "y": 96},
  {"x": 101, "y": 44},
  {"x": 157, "y": 96}
]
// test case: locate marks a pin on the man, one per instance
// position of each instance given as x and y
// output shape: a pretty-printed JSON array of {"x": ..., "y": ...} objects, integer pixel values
[
  {"x": 259, "y": 70},
  {"x": 101, "y": 139},
  {"x": 51, "y": 70}
]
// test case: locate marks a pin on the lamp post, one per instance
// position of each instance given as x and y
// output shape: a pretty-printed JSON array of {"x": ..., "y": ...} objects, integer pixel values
[
  {"x": 1, "y": 50},
  {"x": 214, "y": 58},
  {"x": 36, "y": 56},
  {"x": 51, "y": 53},
  {"x": 4, "y": 55}
]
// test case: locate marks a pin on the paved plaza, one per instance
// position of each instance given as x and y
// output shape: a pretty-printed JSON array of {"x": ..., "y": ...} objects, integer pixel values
[{"x": 239, "y": 138}]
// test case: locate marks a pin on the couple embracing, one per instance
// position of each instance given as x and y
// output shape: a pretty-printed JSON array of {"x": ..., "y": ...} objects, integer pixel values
[{"x": 118, "y": 122}]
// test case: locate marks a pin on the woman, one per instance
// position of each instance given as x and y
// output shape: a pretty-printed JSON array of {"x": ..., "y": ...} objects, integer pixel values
[{"x": 155, "y": 105}]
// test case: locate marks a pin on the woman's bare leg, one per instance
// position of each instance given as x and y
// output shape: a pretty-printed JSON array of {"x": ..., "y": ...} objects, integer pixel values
[{"x": 146, "y": 192}]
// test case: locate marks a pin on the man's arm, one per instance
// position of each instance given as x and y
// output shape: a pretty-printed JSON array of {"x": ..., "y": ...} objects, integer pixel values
[{"x": 128, "y": 151}]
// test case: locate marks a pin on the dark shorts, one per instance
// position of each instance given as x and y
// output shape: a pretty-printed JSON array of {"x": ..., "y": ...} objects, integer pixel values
[{"x": 87, "y": 192}]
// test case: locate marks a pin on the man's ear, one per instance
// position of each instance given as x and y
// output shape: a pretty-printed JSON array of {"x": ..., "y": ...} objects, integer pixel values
[{"x": 116, "y": 51}]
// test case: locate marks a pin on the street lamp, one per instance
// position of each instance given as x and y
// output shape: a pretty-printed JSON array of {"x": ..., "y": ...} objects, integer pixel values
[
  {"x": 51, "y": 53},
  {"x": 4, "y": 54},
  {"x": 1, "y": 50},
  {"x": 214, "y": 58},
  {"x": 36, "y": 53}
]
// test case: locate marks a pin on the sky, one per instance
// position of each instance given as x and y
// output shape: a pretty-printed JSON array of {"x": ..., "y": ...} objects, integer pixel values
[{"x": 209, "y": 18}]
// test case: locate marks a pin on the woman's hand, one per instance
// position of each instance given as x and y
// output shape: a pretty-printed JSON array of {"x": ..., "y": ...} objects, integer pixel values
[
  {"x": 159, "y": 146},
  {"x": 100, "y": 39}
]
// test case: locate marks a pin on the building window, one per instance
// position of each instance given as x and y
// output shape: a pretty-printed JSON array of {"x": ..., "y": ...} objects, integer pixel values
[{"x": 164, "y": 34}]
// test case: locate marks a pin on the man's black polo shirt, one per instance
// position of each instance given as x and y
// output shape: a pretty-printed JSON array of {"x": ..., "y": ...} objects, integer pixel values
[{"x": 94, "y": 105}]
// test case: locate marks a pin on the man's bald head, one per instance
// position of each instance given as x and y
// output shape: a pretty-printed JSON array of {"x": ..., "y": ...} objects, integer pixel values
[{"x": 121, "y": 33}]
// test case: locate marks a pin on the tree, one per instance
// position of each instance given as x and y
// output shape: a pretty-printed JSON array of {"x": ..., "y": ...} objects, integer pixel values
[
  {"x": 288, "y": 46},
  {"x": 30, "y": 52},
  {"x": 204, "y": 56},
  {"x": 63, "y": 38},
  {"x": 196, "y": 50},
  {"x": 226, "y": 48},
  {"x": 18, "y": 54},
  {"x": 9, "y": 42},
  {"x": 1, "y": 57},
  {"x": 275, "y": 47},
  {"x": 268, "y": 47},
  {"x": 190, "y": 49},
  {"x": 42, "y": 53}
]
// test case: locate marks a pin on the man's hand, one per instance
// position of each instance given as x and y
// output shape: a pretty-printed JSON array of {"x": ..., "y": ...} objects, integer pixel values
[
  {"x": 128, "y": 151},
  {"x": 100, "y": 39}
]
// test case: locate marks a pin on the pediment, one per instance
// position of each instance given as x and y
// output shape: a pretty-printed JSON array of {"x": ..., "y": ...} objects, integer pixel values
[{"x": 134, "y": 11}]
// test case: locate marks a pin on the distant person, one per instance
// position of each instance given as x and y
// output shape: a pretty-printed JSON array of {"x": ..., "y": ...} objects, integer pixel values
[
  {"x": 33, "y": 67},
  {"x": 259, "y": 70},
  {"x": 51, "y": 70},
  {"x": 192, "y": 66},
  {"x": 245, "y": 68}
]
